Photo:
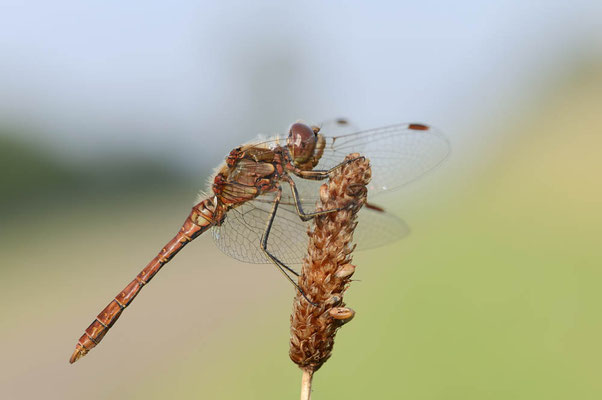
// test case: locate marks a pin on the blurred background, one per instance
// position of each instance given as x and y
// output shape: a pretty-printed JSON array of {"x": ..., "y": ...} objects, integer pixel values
[{"x": 112, "y": 115}]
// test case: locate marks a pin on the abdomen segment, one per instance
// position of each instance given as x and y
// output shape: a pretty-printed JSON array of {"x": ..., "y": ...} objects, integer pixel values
[{"x": 201, "y": 218}]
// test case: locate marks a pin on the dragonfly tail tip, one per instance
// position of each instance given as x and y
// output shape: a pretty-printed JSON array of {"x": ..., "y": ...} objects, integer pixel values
[{"x": 78, "y": 353}]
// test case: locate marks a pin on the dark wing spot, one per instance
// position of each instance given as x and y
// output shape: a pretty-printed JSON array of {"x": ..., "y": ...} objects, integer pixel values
[
  {"x": 374, "y": 207},
  {"x": 418, "y": 127}
]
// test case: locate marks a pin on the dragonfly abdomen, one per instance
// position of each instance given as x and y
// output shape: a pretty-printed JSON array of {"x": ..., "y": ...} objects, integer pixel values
[{"x": 203, "y": 216}]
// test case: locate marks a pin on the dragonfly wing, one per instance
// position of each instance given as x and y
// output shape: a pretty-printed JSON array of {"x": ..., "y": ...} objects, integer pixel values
[
  {"x": 239, "y": 236},
  {"x": 378, "y": 228},
  {"x": 309, "y": 192},
  {"x": 398, "y": 154},
  {"x": 338, "y": 127}
]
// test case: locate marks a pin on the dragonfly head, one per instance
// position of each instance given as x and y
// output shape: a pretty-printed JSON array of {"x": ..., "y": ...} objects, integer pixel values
[{"x": 301, "y": 143}]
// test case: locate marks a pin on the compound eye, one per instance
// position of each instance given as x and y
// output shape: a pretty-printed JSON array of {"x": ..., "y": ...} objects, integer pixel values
[
  {"x": 301, "y": 141},
  {"x": 301, "y": 133}
]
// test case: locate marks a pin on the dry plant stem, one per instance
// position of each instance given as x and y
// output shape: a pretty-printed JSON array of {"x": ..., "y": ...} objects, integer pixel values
[
  {"x": 327, "y": 268},
  {"x": 306, "y": 379}
]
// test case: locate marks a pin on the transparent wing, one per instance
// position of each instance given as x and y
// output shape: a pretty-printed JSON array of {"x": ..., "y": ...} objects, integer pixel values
[
  {"x": 240, "y": 234},
  {"x": 378, "y": 228},
  {"x": 398, "y": 154},
  {"x": 338, "y": 127}
]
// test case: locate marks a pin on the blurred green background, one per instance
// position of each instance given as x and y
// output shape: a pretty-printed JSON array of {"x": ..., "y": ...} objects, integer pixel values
[{"x": 108, "y": 132}]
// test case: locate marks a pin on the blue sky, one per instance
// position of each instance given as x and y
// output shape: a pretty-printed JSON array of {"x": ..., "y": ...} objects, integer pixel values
[{"x": 196, "y": 78}]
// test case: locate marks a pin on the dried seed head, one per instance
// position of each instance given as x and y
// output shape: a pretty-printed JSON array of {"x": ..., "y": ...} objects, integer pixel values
[
  {"x": 327, "y": 269},
  {"x": 345, "y": 271},
  {"x": 342, "y": 314},
  {"x": 334, "y": 300}
]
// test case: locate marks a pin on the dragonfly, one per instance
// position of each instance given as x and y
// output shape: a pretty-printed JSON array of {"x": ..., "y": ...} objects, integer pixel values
[{"x": 263, "y": 196}]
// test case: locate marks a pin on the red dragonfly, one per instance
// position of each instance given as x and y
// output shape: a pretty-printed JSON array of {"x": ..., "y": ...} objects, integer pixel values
[{"x": 253, "y": 217}]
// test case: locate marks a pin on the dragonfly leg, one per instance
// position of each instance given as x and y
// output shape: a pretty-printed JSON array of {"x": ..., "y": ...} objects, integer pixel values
[
  {"x": 302, "y": 214},
  {"x": 320, "y": 174},
  {"x": 264, "y": 247},
  {"x": 289, "y": 269}
]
